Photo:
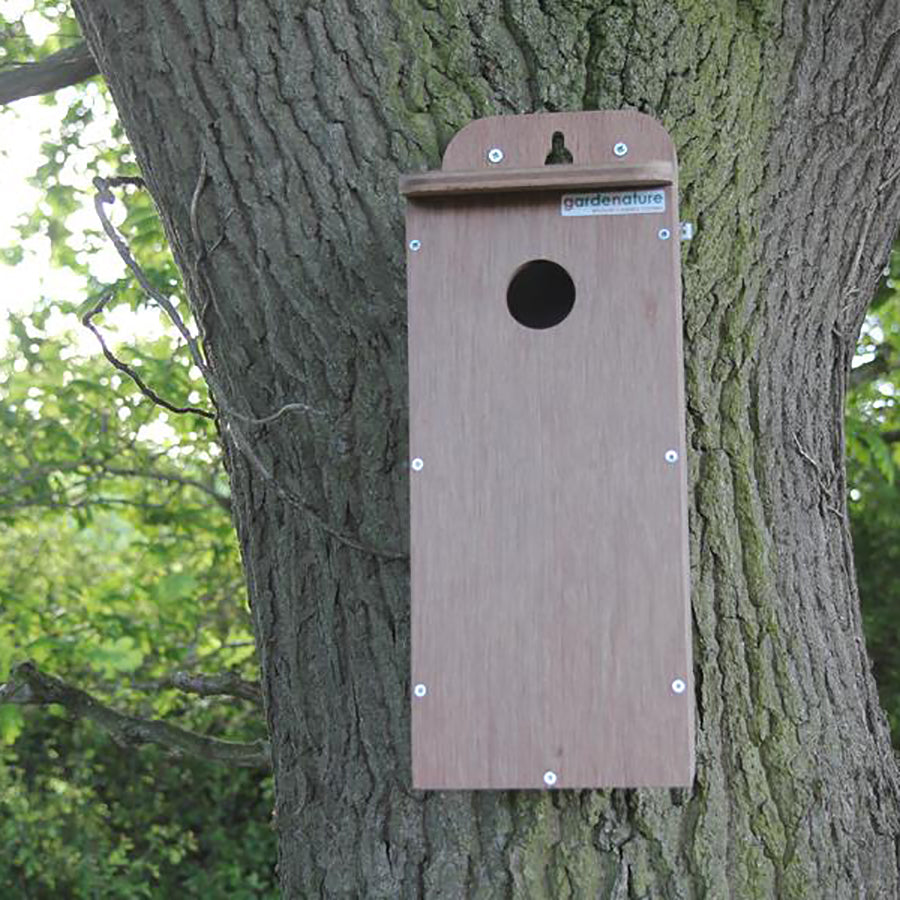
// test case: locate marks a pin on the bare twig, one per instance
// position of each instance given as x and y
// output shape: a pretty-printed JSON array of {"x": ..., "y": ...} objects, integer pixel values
[
  {"x": 851, "y": 277},
  {"x": 228, "y": 684},
  {"x": 807, "y": 457},
  {"x": 889, "y": 180},
  {"x": 201, "y": 253},
  {"x": 222, "y": 648},
  {"x": 148, "y": 392},
  {"x": 221, "y": 236},
  {"x": 104, "y": 195},
  {"x": 823, "y": 485},
  {"x": 81, "y": 504},
  {"x": 195, "y": 199},
  {"x": 220, "y": 499},
  {"x": 123, "y": 180},
  {"x": 37, "y": 473},
  {"x": 267, "y": 420},
  {"x": 294, "y": 500},
  {"x": 29, "y": 686}
]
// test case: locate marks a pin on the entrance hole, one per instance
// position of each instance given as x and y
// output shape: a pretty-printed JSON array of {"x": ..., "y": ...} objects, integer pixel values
[{"x": 541, "y": 294}]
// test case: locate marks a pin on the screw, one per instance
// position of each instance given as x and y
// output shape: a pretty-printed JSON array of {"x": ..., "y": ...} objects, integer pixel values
[
  {"x": 664, "y": 234},
  {"x": 671, "y": 456},
  {"x": 678, "y": 686},
  {"x": 495, "y": 155},
  {"x": 420, "y": 690},
  {"x": 417, "y": 464},
  {"x": 549, "y": 778},
  {"x": 620, "y": 149},
  {"x": 415, "y": 244}
]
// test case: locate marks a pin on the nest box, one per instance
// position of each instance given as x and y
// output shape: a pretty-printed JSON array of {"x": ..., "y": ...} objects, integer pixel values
[{"x": 550, "y": 601}]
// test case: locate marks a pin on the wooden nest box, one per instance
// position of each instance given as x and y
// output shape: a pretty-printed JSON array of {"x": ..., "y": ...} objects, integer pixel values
[{"x": 550, "y": 598}]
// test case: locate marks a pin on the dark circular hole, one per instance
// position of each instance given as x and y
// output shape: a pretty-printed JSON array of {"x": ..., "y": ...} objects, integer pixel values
[{"x": 541, "y": 294}]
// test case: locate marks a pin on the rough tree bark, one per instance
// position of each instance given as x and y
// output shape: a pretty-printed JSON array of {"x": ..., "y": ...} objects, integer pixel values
[{"x": 786, "y": 117}]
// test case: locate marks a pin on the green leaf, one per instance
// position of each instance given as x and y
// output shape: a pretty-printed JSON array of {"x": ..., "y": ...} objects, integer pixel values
[
  {"x": 11, "y": 723},
  {"x": 120, "y": 656}
]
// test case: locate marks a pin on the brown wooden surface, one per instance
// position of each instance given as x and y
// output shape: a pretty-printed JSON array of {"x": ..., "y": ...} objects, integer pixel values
[
  {"x": 550, "y": 603},
  {"x": 498, "y": 179}
]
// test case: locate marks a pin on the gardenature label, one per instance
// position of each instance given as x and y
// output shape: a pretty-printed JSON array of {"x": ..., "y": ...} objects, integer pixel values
[{"x": 614, "y": 203}]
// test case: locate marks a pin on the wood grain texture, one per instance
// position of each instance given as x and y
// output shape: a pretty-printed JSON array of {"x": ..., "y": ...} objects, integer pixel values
[
  {"x": 548, "y": 532},
  {"x": 503, "y": 180}
]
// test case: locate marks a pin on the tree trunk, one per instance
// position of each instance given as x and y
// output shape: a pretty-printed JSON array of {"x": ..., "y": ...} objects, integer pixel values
[{"x": 786, "y": 119}]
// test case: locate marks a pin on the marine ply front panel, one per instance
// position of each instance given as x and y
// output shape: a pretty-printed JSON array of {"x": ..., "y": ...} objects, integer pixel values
[{"x": 550, "y": 602}]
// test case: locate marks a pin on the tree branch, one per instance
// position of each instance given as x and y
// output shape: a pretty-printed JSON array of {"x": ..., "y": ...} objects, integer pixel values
[
  {"x": 84, "y": 503},
  {"x": 220, "y": 499},
  {"x": 227, "y": 684},
  {"x": 105, "y": 195},
  {"x": 891, "y": 437},
  {"x": 70, "y": 66},
  {"x": 231, "y": 645},
  {"x": 37, "y": 473},
  {"x": 148, "y": 392},
  {"x": 28, "y": 686}
]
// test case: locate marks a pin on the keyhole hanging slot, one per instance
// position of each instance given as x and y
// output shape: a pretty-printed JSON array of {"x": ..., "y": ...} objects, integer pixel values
[{"x": 559, "y": 152}]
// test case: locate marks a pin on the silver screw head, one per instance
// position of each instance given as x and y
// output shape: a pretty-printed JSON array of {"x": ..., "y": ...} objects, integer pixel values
[
  {"x": 415, "y": 244},
  {"x": 420, "y": 690},
  {"x": 678, "y": 686},
  {"x": 417, "y": 464},
  {"x": 549, "y": 778},
  {"x": 495, "y": 155},
  {"x": 620, "y": 149},
  {"x": 671, "y": 456},
  {"x": 664, "y": 234}
]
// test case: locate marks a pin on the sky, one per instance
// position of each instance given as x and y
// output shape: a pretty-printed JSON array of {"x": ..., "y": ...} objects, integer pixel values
[
  {"x": 20, "y": 144},
  {"x": 24, "y": 125}
]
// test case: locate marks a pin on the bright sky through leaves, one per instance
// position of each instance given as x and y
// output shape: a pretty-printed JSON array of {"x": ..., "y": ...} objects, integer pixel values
[{"x": 23, "y": 130}]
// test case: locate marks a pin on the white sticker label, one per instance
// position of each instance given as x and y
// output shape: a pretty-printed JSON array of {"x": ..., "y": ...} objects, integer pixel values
[{"x": 614, "y": 203}]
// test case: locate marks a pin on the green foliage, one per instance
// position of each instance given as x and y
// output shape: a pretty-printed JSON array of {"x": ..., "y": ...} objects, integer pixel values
[
  {"x": 118, "y": 566},
  {"x": 81, "y": 818},
  {"x": 873, "y": 451},
  {"x": 115, "y": 515},
  {"x": 23, "y": 20},
  {"x": 118, "y": 559}
]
